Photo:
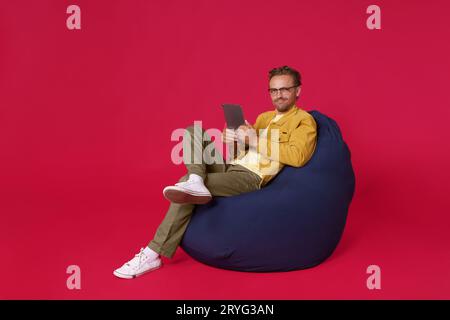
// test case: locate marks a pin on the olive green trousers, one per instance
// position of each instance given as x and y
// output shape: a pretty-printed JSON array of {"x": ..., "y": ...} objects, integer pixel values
[{"x": 221, "y": 179}]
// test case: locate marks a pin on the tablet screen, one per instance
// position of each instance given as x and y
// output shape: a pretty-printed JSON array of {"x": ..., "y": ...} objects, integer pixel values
[{"x": 234, "y": 116}]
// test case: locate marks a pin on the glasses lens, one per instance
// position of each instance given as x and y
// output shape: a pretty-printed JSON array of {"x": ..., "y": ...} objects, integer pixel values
[{"x": 283, "y": 91}]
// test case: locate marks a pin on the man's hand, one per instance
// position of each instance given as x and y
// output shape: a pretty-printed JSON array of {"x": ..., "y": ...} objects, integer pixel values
[
  {"x": 229, "y": 136},
  {"x": 245, "y": 126},
  {"x": 246, "y": 134}
]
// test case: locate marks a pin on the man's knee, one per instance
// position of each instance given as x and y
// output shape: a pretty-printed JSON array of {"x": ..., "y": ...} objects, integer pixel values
[
  {"x": 195, "y": 133},
  {"x": 195, "y": 128}
]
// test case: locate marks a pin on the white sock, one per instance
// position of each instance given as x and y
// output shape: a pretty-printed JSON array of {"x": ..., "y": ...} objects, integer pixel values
[
  {"x": 150, "y": 253},
  {"x": 195, "y": 177}
]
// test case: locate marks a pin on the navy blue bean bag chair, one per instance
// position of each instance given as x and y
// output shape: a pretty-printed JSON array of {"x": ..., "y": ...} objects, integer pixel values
[{"x": 294, "y": 222}]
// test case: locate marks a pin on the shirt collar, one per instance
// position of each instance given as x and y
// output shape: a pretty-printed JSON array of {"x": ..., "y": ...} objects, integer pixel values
[{"x": 293, "y": 110}]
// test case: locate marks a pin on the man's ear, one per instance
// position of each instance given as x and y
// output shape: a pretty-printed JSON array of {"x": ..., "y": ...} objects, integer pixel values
[{"x": 298, "y": 92}]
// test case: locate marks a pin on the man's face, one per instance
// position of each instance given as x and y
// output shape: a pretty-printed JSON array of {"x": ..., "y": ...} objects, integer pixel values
[{"x": 283, "y": 100}]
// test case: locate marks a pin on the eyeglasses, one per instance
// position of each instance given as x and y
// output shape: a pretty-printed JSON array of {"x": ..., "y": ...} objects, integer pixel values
[{"x": 283, "y": 91}]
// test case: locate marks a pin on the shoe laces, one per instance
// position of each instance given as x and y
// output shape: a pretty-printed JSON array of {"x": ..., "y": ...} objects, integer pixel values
[{"x": 139, "y": 256}]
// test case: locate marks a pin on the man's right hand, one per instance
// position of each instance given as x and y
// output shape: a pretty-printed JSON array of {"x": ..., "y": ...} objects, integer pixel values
[{"x": 229, "y": 136}]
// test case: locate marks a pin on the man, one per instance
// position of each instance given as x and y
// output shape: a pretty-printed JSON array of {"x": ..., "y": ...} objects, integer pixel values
[{"x": 289, "y": 130}]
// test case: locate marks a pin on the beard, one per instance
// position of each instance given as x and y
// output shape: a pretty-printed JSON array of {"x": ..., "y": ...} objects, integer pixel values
[{"x": 282, "y": 105}]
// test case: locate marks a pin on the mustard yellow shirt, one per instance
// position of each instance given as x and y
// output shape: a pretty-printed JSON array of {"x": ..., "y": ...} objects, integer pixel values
[
  {"x": 252, "y": 158},
  {"x": 287, "y": 140}
]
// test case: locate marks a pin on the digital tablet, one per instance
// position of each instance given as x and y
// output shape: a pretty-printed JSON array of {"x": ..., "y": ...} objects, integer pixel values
[{"x": 234, "y": 117}]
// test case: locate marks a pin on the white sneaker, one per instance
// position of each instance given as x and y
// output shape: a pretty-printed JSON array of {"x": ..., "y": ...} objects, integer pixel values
[
  {"x": 139, "y": 265},
  {"x": 193, "y": 192}
]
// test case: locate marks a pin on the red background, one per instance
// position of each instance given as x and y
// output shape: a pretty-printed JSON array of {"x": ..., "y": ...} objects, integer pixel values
[{"x": 86, "y": 117}]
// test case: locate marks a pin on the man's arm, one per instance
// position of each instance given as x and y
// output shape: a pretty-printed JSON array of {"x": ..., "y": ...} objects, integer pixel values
[
  {"x": 301, "y": 145},
  {"x": 298, "y": 150},
  {"x": 231, "y": 138},
  {"x": 246, "y": 132}
]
